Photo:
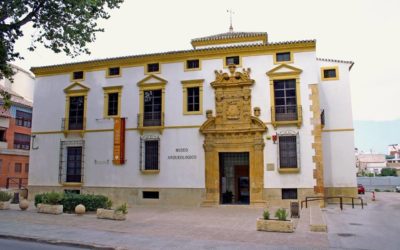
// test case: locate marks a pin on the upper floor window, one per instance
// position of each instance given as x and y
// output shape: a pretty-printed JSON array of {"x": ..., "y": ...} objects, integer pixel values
[
  {"x": 76, "y": 112},
  {"x": 285, "y": 100},
  {"x": 112, "y": 101},
  {"x": 26, "y": 167},
  {"x": 283, "y": 57},
  {"x": 152, "y": 112},
  {"x": 192, "y": 97},
  {"x": 192, "y": 64},
  {"x": 23, "y": 119},
  {"x": 3, "y": 132},
  {"x": 329, "y": 73},
  {"x": 22, "y": 141},
  {"x": 114, "y": 71},
  {"x": 153, "y": 68},
  {"x": 78, "y": 75},
  {"x": 235, "y": 60}
]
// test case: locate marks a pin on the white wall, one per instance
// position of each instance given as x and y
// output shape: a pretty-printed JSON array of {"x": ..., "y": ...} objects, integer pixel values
[{"x": 23, "y": 83}]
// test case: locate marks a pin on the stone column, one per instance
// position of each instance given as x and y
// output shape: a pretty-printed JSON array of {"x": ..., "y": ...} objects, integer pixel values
[
  {"x": 257, "y": 173},
  {"x": 211, "y": 176}
]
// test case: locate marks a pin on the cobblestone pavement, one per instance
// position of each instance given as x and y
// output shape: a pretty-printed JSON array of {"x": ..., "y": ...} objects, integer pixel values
[{"x": 224, "y": 227}]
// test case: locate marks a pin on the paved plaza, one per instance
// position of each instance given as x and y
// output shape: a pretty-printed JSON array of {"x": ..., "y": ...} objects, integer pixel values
[{"x": 224, "y": 227}]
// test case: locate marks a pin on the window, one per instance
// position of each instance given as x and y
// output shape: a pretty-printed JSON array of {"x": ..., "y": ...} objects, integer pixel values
[
  {"x": 18, "y": 168},
  {"x": 151, "y": 195},
  {"x": 26, "y": 167},
  {"x": 152, "y": 108},
  {"x": 283, "y": 57},
  {"x": 235, "y": 60},
  {"x": 23, "y": 119},
  {"x": 289, "y": 193},
  {"x": 112, "y": 101},
  {"x": 22, "y": 141},
  {"x": 74, "y": 164},
  {"x": 329, "y": 73},
  {"x": 114, "y": 71},
  {"x": 192, "y": 64},
  {"x": 153, "y": 68},
  {"x": 288, "y": 150},
  {"x": 78, "y": 75},
  {"x": 3, "y": 135},
  {"x": 192, "y": 97},
  {"x": 76, "y": 112},
  {"x": 285, "y": 100},
  {"x": 150, "y": 154}
]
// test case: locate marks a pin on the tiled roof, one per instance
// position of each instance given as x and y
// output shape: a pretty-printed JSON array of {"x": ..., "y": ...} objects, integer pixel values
[
  {"x": 220, "y": 48},
  {"x": 337, "y": 61},
  {"x": 229, "y": 35}
]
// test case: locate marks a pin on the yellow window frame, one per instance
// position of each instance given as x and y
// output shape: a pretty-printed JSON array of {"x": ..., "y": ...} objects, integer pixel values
[
  {"x": 113, "y": 76},
  {"x": 197, "y": 83},
  {"x": 75, "y": 89},
  {"x": 280, "y": 62},
  {"x": 110, "y": 90},
  {"x": 336, "y": 68}
]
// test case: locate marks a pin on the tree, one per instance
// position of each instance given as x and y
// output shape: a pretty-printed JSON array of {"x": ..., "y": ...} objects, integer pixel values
[
  {"x": 388, "y": 172},
  {"x": 61, "y": 25}
]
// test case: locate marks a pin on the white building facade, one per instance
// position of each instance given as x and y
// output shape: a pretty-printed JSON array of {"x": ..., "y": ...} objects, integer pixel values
[{"x": 235, "y": 120}]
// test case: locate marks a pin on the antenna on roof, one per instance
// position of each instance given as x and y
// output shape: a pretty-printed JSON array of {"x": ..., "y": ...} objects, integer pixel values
[{"x": 230, "y": 17}]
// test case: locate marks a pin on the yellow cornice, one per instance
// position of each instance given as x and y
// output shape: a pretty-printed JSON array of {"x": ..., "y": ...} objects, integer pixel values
[
  {"x": 82, "y": 88},
  {"x": 291, "y": 70},
  {"x": 158, "y": 81},
  {"x": 176, "y": 56},
  {"x": 262, "y": 38}
]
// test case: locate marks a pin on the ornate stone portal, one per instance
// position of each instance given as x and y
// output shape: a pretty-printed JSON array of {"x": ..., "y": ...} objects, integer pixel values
[{"x": 233, "y": 129}]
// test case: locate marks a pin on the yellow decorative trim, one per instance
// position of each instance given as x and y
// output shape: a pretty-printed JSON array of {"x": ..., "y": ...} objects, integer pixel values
[
  {"x": 113, "y": 76},
  {"x": 71, "y": 91},
  {"x": 290, "y": 73},
  {"x": 237, "y": 65},
  {"x": 76, "y": 80},
  {"x": 289, "y": 170},
  {"x": 192, "y": 84},
  {"x": 338, "y": 130},
  {"x": 202, "y": 54},
  {"x": 107, "y": 91},
  {"x": 149, "y": 171},
  {"x": 146, "y": 72},
  {"x": 193, "y": 69},
  {"x": 331, "y": 78},
  {"x": 280, "y": 62}
]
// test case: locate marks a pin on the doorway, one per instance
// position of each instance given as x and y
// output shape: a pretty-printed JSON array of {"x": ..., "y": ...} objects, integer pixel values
[{"x": 234, "y": 178}]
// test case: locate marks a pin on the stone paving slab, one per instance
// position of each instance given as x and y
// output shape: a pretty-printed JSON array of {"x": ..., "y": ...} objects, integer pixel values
[{"x": 224, "y": 227}]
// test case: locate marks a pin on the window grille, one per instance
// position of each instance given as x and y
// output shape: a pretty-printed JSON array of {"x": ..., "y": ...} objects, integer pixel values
[
  {"x": 23, "y": 119},
  {"x": 22, "y": 141},
  {"x": 288, "y": 150},
  {"x": 150, "y": 153},
  {"x": 289, "y": 193}
]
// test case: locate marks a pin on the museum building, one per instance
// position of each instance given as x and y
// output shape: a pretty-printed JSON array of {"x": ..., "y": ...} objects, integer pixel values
[{"x": 235, "y": 120}]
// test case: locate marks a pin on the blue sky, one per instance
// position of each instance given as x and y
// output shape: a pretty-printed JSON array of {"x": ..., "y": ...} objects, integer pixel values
[{"x": 376, "y": 135}]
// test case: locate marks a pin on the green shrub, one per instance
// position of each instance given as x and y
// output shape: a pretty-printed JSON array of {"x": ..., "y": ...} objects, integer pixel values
[
  {"x": 377, "y": 190},
  {"x": 281, "y": 214},
  {"x": 4, "y": 196},
  {"x": 90, "y": 201},
  {"x": 122, "y": 209},
  {"x": 52, "y": 198},
  {"x": 266, "y": 214},
  {"x": 38, "y": 199}
]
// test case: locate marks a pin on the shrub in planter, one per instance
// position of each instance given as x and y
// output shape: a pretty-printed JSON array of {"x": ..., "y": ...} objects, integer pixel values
[
  {"x": 281, "y": 214},
  {"x": 266, "y": 214},
  {"x": 49, "y": 203},
  {"x": 118, "y": 214},
  {"x": 5, "y": 200},
  {"x": 52, "y": 198},
  {"x": 90, "y": 201},
  {"x": 122, "y": 209}
]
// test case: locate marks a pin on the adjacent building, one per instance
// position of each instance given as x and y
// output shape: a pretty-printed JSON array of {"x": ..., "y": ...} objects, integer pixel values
[
  {"x": 235, "y": 120},
  {"x": 15, "y": 130}
]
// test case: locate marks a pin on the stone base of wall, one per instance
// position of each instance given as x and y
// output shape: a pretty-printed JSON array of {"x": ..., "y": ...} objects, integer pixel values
[
  {"x": 134, "y": 196},
  {"x": 342, "y": 191},
  {"x": 273, "y": 196}
]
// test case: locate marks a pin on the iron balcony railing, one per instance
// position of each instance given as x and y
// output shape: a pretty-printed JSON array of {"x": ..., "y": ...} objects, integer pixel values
[
  {"x": 286, "y": 113},
  {"x": 151, "y": 119},
  {"x": 73, "y": 123}
]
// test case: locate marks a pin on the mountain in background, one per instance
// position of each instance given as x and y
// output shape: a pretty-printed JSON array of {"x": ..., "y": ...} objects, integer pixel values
[{"x": 376, "y": 135}]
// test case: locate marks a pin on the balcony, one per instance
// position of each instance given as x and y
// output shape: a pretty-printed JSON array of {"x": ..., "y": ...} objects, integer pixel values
[
  {"x": 75, "y": 124},
  {"x": 286, "y": 115},
  {"x": 150, "y": 121}
]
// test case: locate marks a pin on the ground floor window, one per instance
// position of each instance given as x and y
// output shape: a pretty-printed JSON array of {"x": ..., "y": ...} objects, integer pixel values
[
  {"x": 71, "y": 161},
  {"x": 289, "y": 193},
  {"x": 150, "y": 153},
  {"x": 288, "y": 150}
]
